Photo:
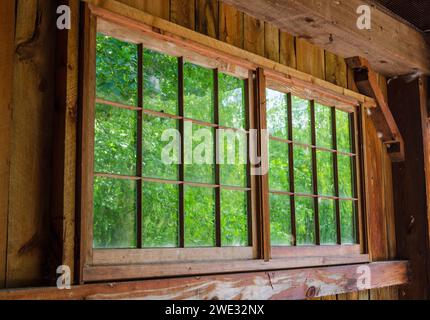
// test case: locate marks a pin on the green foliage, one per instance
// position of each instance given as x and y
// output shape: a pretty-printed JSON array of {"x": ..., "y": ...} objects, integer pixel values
[
  {"x": 305, "y": 221},
  {"x": 343, "y": 131},
  {"x": 347, "y": 218},
  {"x": 302, "y": 169},
  {"x": 114, "y": 213},
  {"x": 278, "y": 166},
  {"x": 301, "y": 112},
  {"x": 277, "y": 114},
  {"x": 345, "y": 175},
  {"x": 116, "y": 68},
  {"x": 199, "y": 217},
  {"x": 234, "y": 218},
  {"x": 160, "y": 212},
  {"x": 327, "y": 219},
  {"x": 232, "y": 113},
  {"x": 280, "y": 220},
  {"x": 198, "y": 93},
  {"x": 115, "y": 140},
  {"x": 325, "y": 173},
  {"x": 160, "y": 82},
  {"x": 323, "y": 126}
]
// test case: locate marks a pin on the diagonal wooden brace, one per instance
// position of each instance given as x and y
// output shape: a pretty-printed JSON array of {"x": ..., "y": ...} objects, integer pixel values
[{"x": 367, "y": 84}]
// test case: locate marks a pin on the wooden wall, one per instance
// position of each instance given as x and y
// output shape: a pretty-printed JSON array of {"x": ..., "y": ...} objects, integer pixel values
[{"x": 32, "y": 138}]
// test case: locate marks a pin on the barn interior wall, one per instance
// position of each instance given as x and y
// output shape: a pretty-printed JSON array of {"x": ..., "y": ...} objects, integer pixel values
[{"x": 26, "y": 202}]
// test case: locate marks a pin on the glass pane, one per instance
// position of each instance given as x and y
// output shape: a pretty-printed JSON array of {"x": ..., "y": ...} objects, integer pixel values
[
  {"x": 278, "y": 166},
  {"x": 234, "y": 218},
  {"x": 115, "y": 145},
  {"x": 161, "y": 143},
  {"x": 277, "y": 114},
  {"x": 347, "y": 221},
  {"x": 114, "y": 213},
  {"x": 198, "y": 92},
  {"x": 116, "y": 69},
  {"x": 345, "y": 176},
  {"x": 160, "y": 215},
  {"x": 301, "y": 120},
  {"x": 199, "y": 217},
  {"x": 280, "y": 220},
  {"x": 160, "y": 82},
  {"x": 231, "y": 102},
  {"x": 302, "y": 170},
  {"x": 199, "y": 153},
  {"x": 305, "y": 221},
  {"x": 327, "y": 219},
  {"x": 325, "y": 173},
  {"x": 323, "y": 127},
  {"x": 234, "y": 158},
  {"x": 343, "y": 131}
]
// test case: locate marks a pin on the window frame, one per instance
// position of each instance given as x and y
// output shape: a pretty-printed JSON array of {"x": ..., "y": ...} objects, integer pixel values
[{"x": 111, "y": 264}]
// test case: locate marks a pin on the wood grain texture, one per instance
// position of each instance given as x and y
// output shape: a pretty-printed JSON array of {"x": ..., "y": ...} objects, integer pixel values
[
  {"x": 230, "y": 25},
  {"x": 158, "y": 8},
  {"x": 31, "y": 147},
  {"x": 335, "y": 70},
  {"x": 276, "y": 285},
  {"x": 7, "y": 35},
  {"x": 254, "y": 35},
  {"x": 391, "y": 46},
  {"x": 207, "y": 17},
  {"x": 310, "y": 58},
  {"x": 271, "y": 42},
  {"x": 409, "y": 180},
  {"x": 287, "y": 54},
  {"x": 182, "y": 12}
]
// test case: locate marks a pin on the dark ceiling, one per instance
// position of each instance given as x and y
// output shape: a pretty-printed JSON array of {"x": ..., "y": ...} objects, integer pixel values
[{"x": 416, "y": 12}]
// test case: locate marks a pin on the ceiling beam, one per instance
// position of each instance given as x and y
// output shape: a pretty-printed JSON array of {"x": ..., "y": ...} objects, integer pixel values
[{"x": 391, "y": 46}]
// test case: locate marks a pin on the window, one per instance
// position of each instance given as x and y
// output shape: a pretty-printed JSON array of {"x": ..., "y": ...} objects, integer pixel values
[
  {"x": 147, "y": 195},
  {"x": 311, "y": 175},
  {"x": 170, "y": 135}
]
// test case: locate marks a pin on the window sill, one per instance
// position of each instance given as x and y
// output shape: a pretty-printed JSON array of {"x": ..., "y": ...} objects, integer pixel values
[
  {"x": 95, "y": 273},
  {"x": 284, "y": 284}
]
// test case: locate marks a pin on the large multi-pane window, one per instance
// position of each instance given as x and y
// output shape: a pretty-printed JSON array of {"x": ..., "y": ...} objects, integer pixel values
[
  {"x": 165, "y": 128},
  {"x": 311, "y": 174}
]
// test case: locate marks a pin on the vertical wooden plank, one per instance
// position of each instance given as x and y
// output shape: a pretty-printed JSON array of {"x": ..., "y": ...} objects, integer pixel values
[
  {"x": 409, "y": 181},
  {"x": 139, "y": 145},
  {"x": 182, "y": 12},
  {"x": 230, "y": 25},
  {"x": 348, "y": 296},
  {"x": 253, "y": 35},
  {"x": 158, "y": 8},
  {"x": 207, "y": 17},
  {"x": 86, "y": 166},
  {"x": 31, "y": 147},
  {"x": 291, "y": 168},
  {"x": 271, "y": 42},
  {"x": 181, "y": 113},
  {"x": 310, "y": 58},
  {"x": 217, "y": 166},
  {"x": 63, "y": 203},
  {"x": 287, "y": 49},
  {"x": 315, "y": 175},
  {"x": 335, "y": 70},
  {"x": 7, "y": 35},
  {"x": 363, "y": 295},
  {"x": 351, "y": 82}
]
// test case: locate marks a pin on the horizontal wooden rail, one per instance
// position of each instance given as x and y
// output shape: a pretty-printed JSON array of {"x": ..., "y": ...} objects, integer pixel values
[{"x": 275, "y": 285}]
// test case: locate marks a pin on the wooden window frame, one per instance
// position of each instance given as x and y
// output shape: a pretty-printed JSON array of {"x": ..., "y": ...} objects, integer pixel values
[{"x": 108, "y": 264}]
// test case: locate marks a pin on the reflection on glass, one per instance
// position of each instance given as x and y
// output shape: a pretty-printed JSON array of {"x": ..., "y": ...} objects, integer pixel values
[
  {"x": 114, "y": 223},
  {"x": 116, "y": 69},
  {"x": 199, "y": 217},
  {"x": 231, "y": 102},
  {"x": 277, "y": 113},
  {"x": 305, "y": 221},
  {"x": 115, "y": 140},
  {"x": 327, "y": 220},
  {"x": 160, "y": 215},
  {"x": 234, "y": 218},
  {"x": 160, "y": 82},
  {"x": 198, "y": 93},
  {"x": 278, "y": 166},
  {"x": 301, "y": 120},
  {"x": 280, "y": 220}
]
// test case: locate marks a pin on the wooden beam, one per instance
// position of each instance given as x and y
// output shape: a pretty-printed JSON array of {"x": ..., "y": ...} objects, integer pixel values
[
  {"x": 408, "y": 104},
  {"x": 275, "y": 285},
  {"x": 7, "y": 35},
  {"x": 392, "y": 47},
  {"x": 367, "y": 83}
]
